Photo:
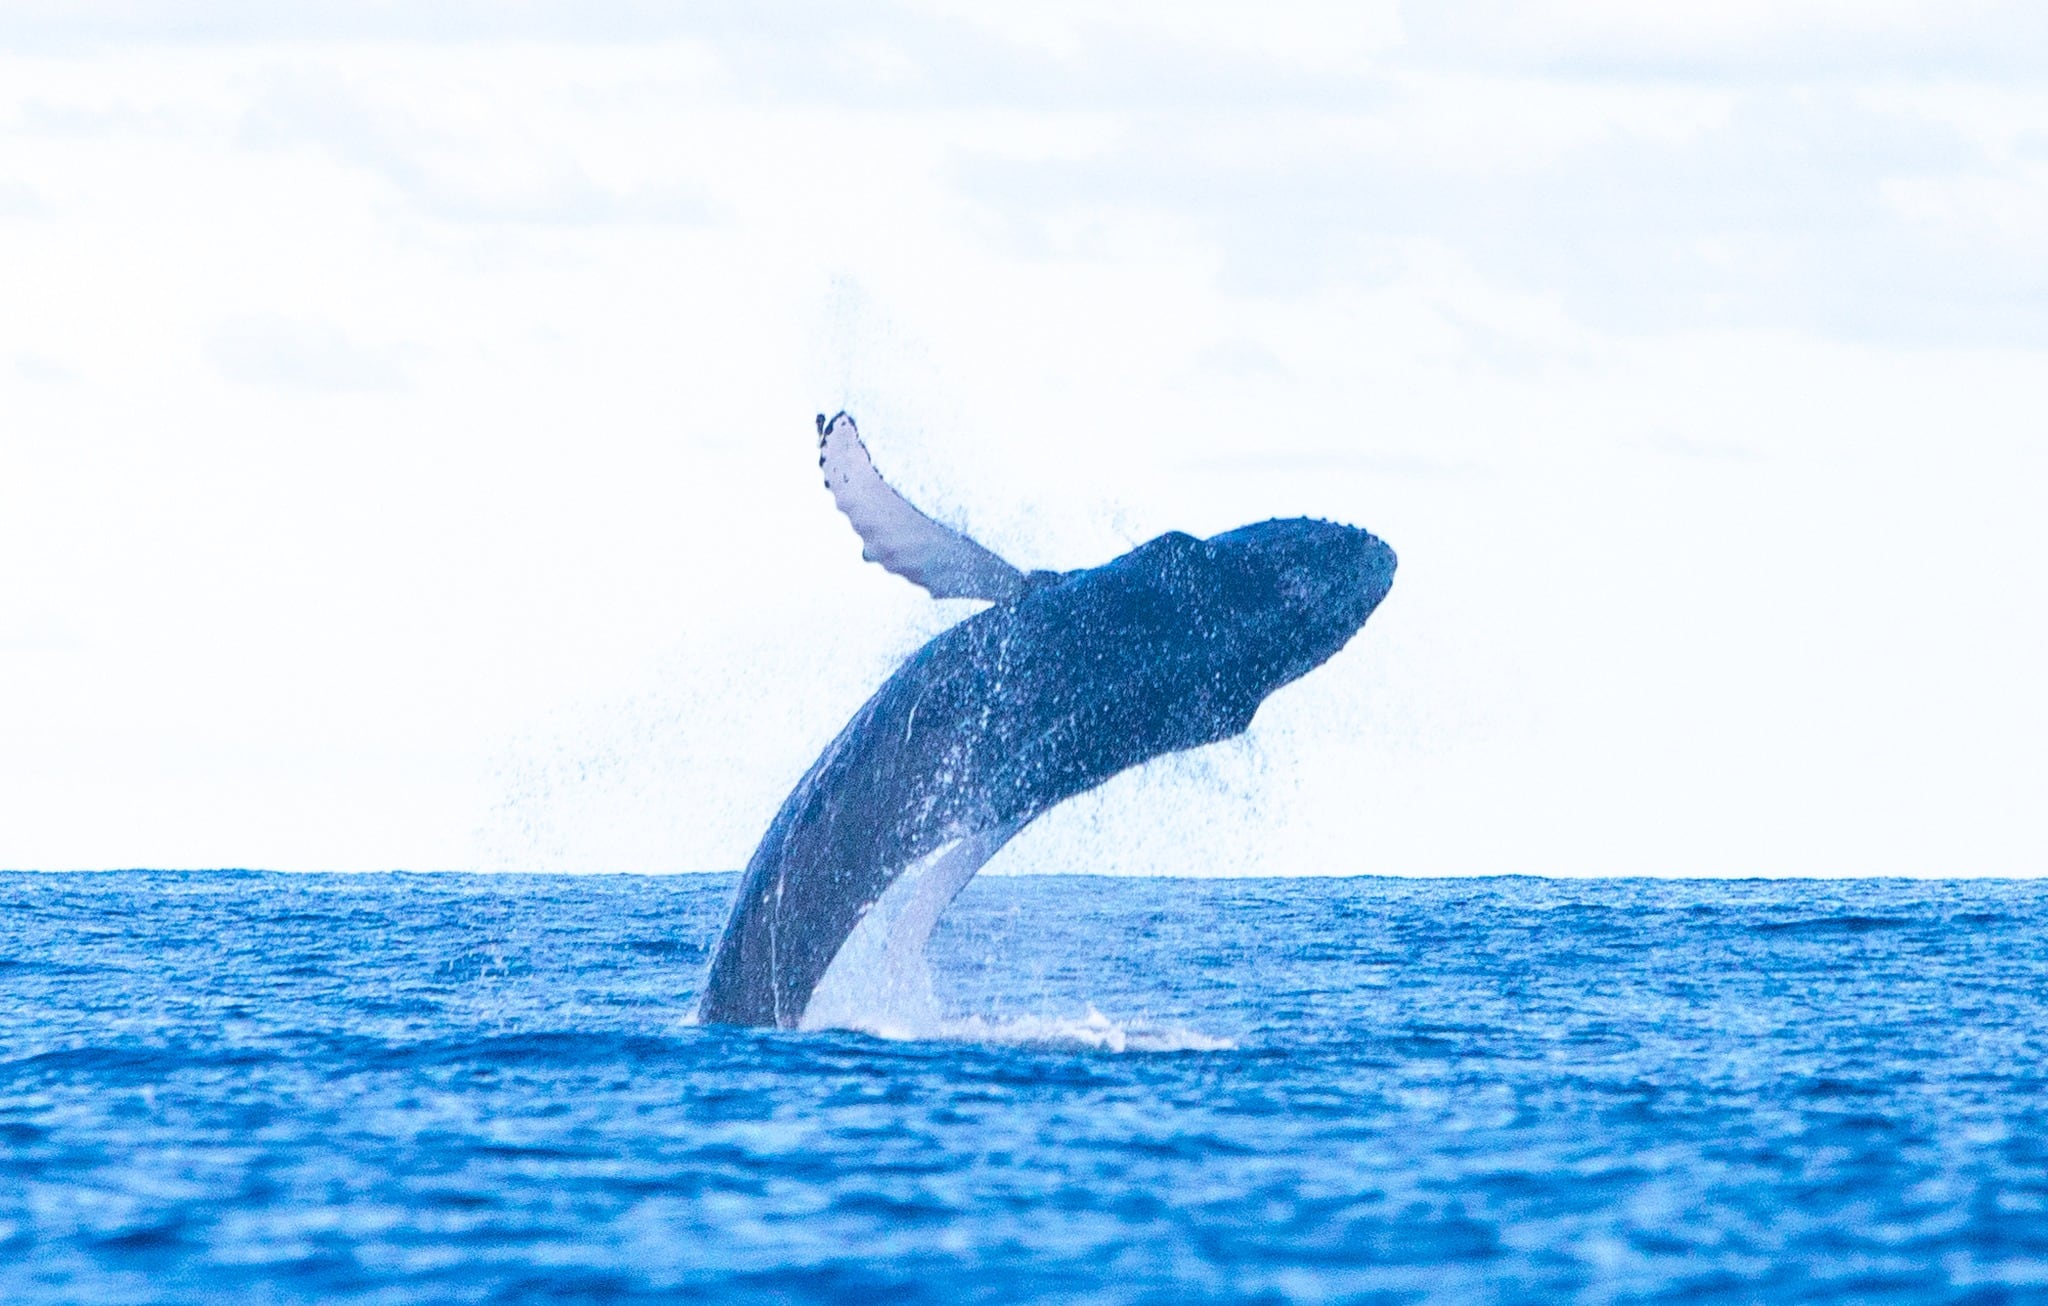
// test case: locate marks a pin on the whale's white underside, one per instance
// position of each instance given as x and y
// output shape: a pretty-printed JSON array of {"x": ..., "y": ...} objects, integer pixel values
[{"x": 878, "y": 979}]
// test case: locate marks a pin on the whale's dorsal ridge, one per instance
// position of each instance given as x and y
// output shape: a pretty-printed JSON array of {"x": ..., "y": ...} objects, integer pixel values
[{"x": 896, "y": 534}]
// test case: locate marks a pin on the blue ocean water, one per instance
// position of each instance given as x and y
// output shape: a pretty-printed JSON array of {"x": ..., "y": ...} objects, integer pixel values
[{"x": 270, "y": 1088}]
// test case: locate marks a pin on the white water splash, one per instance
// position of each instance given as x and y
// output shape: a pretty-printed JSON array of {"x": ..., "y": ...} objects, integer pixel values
[
  {"x": 1094, "y": 1032},
  {"x": 879, "y": 982}
]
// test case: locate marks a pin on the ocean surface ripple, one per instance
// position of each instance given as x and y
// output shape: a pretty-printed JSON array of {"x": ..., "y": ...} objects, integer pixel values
[{"x": 410, "y": 1088}]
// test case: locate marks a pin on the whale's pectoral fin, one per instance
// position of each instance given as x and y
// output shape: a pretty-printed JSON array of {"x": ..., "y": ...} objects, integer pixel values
[{"x": 894, "y": 533}]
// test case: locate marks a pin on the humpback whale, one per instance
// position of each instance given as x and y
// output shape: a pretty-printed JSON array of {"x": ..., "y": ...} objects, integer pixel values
[{"x": 1066, "y": 680}]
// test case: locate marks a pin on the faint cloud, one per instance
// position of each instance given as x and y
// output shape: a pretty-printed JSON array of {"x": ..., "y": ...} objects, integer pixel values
[
  {"x": 1060, "y": 54},
  {"x": 1800, "y": 208},
  {"x": 1737, "y": 38},
  {"x": 1705, "y": 450},
  {"x": 34, "y": 367},
  {"x": 1976, "y": 212},
  {"x": 1304, "y": 33},
  {"x": 18, "y": 201},
  {"x": 70, "y": 24},
  {"x": 65, "y": 120},
  {"x": 1243, "y": 359},
  {"x": 44, "y": 638},
  {"x": 283, "y": 354},
  {"x": 1338, "y": 461},
  {"x": 1503, "y": 350},
  {"x": 455, "y": 177},
  {"x": 878, "y": 61}
]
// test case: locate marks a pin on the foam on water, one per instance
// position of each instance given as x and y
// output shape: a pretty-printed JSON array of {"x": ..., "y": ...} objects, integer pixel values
[{"x": 1093, "y": 1031}]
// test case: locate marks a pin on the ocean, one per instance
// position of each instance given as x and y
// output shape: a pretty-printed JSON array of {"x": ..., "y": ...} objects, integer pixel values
[{"x": 253, "y": 1087}]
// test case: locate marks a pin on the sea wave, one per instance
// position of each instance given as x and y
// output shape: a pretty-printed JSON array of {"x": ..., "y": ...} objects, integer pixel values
[{"x": 424, "y": 1089}]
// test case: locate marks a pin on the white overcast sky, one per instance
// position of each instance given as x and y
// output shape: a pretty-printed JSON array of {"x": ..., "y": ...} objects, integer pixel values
[{"x": 405, "y": 416}]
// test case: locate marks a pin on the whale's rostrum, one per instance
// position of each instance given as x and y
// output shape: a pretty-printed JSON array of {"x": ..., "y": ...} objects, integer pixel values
[{"x": 1066, "y": 680}]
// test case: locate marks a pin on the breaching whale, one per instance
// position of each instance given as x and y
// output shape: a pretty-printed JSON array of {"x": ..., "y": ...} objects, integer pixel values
[{"x": 1068, "y": 679}]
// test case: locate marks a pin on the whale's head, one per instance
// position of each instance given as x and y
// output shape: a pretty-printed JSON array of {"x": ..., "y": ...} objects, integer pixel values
[
  {"x": 1173, "y": 645},
  {"x": 1289, "y": 593}
]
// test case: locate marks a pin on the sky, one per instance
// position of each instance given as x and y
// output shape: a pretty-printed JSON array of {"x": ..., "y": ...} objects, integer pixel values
[{"x": 406, "y": 449}]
